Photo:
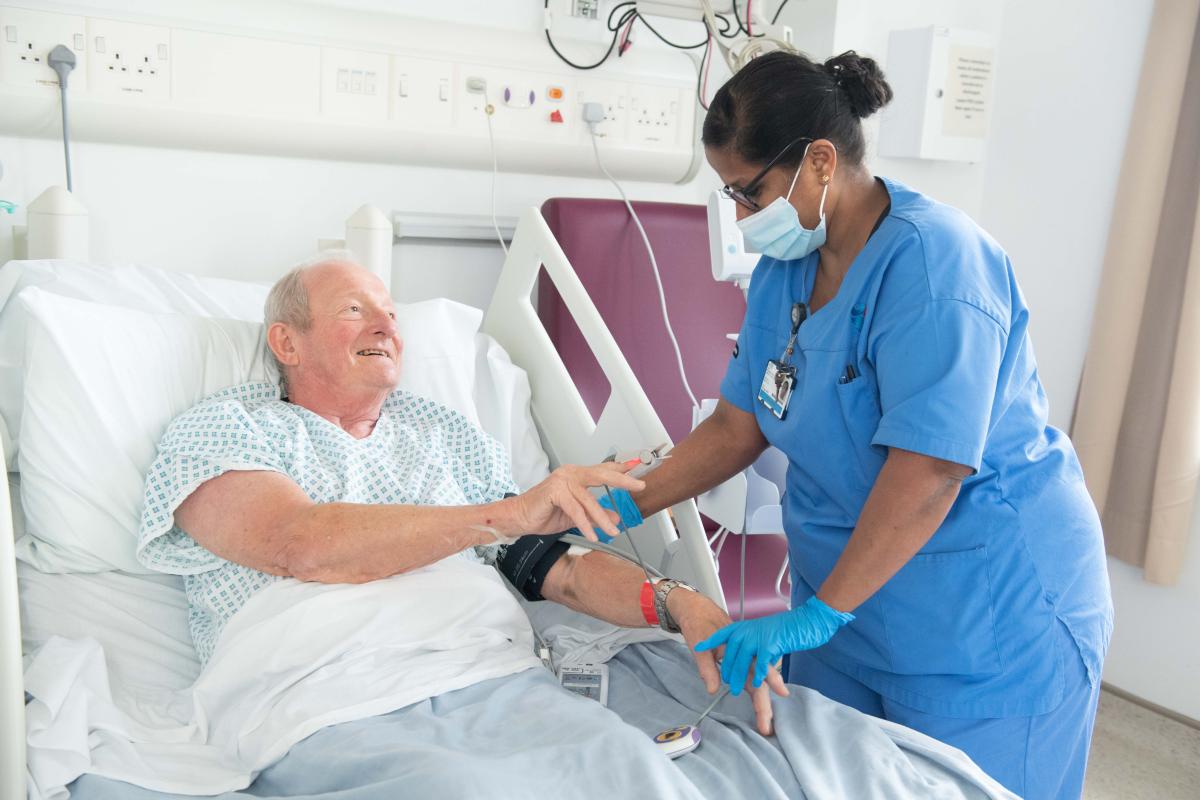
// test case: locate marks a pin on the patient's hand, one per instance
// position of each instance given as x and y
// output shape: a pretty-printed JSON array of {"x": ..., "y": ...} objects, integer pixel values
[
  {"x": 562, "y": 501},
  {"x": 699, "y": 618}
]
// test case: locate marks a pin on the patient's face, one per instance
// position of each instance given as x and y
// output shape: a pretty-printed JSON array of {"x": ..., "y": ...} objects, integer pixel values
[{"x": 353, "y": 342}]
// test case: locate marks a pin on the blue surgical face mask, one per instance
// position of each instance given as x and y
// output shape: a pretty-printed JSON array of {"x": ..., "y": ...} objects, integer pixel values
[{"x": 776, "y": 230}]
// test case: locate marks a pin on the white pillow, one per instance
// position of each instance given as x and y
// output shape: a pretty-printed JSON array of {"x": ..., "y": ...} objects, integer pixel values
[
  {"x": 102, "y": 382},
  {"x": 143, "y": 288},
  {"x": 101, "y": 385}
]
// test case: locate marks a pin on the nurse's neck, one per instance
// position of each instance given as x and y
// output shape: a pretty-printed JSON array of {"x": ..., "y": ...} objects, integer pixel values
[{"x": 852, "y": 209}]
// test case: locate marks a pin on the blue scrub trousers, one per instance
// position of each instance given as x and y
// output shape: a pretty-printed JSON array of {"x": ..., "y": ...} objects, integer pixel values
[{"x": 1037, "y": 757}]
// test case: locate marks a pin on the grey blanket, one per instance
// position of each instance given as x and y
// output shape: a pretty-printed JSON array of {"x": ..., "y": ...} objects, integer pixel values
[{"x": 523, "y": 736}]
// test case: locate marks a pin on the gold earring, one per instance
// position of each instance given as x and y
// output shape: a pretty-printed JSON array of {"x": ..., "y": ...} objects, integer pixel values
[{"x": 824, "y": 179}]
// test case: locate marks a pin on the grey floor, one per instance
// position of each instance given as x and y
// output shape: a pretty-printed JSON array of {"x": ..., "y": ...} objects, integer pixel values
[{"x": 1138, "y": 754}]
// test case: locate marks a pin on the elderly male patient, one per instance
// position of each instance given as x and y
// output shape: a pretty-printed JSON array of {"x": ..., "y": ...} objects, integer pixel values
[{"x": 340, "y": 478}]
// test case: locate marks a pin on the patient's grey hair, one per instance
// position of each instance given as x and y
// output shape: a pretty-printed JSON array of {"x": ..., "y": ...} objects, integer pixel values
[{"x": 287, "y": 302}]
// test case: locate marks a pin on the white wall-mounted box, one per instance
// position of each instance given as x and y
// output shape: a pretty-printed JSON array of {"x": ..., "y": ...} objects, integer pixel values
[{"x": 942, "y": 80}]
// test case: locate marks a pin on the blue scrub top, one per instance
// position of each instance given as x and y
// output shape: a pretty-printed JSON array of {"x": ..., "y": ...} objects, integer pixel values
[{"x": 979, "y": 622}]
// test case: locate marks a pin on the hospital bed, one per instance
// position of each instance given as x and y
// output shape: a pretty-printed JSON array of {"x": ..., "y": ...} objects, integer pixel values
[{"x": 134, "y": 624}]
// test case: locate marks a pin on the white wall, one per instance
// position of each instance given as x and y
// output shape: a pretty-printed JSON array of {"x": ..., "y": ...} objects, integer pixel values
[
  {"x": 826, "y": 27},
  {"x": 1065, "y": 91}
]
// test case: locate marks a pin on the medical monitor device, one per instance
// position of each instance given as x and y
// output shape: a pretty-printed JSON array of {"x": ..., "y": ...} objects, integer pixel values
[
  {"x": 589, "y": 680},
  {"x": 730, "y": 260}
]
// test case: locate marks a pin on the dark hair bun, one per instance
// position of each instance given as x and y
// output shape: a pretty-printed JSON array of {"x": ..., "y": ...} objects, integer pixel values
[{"x": 861, "y": 81}]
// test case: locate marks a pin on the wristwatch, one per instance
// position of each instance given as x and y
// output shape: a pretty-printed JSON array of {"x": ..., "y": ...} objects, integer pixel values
[{"x": 661, "y": 590}]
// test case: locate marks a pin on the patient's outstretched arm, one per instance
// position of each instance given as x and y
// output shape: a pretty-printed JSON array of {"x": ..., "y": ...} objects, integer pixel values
[{"x": 264, "y": 520}]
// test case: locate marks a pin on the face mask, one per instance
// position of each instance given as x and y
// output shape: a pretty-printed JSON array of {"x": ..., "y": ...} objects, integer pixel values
[{"x": 776, "y": 230}]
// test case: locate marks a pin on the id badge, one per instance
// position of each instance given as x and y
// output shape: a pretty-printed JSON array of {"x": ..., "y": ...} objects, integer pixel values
[{"x": 776, "y": 389}]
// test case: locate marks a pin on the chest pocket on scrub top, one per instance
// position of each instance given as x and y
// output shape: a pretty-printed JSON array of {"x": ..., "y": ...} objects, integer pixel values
[{"x": 859, "y": 402}]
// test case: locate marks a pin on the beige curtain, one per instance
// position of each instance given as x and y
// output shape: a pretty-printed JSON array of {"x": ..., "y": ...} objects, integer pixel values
[{"x": 1137, "y": 417}]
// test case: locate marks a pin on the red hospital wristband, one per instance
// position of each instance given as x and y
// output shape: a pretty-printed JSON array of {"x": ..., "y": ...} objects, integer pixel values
[{"x": 647, "y": 600}]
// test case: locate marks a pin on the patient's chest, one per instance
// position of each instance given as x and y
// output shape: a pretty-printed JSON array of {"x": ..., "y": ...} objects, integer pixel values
[
  {"x": 415, "y": 456},
  {"x": 400, "y": 462}
]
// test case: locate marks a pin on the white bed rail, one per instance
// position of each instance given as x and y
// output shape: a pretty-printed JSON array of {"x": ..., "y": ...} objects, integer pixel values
[
  {"x": 12, "y": 684},
  {"x": 567, "y": 429}
]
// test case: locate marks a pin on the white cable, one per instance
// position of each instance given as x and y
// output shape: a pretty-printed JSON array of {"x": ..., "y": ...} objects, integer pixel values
[
  {"x": 573, "y": 539},
  {"x": 742, "y": 581},
  {"x": 721, "y": 544},
  {"x": 488, "y": 110},
  {"x": 779, "y": 583},
  {"x": 662, "y": 297}
]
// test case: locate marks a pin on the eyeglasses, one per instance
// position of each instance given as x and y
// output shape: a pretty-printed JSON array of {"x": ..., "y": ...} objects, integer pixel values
[{"x": 742, "y": 196}]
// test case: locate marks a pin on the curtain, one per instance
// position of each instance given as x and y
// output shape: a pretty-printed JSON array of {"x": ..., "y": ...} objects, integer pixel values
[{"x": 1137, "y": 416}]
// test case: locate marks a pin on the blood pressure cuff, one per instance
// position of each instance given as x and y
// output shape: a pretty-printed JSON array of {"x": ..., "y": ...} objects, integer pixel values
[{"x": 528, "y": 560}]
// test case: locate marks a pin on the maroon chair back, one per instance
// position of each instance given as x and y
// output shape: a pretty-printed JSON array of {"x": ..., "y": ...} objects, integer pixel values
[{"x": 604, "y": 246}]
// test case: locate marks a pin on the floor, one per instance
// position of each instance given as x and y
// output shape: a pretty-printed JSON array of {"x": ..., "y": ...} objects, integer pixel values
[{"x": 1138, "y": 754}]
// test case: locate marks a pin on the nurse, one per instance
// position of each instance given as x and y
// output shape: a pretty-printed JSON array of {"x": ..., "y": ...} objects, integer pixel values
[{"x": 947, "y": 566}]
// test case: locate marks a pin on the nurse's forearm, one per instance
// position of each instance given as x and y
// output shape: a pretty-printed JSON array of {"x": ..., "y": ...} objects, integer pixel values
[
  {"x": 720, "y": 447},
  {"x": 910, "y": 499}
]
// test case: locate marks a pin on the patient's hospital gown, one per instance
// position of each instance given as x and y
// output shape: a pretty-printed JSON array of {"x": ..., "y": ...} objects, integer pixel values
[{"x": 420, "y": 453}]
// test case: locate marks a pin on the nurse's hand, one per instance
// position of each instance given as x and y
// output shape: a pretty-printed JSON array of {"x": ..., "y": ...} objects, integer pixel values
[
  {"x": 563, "y": 501},
  {"x": 754, "y": 644},
  {"x": 698, "y": 618}
]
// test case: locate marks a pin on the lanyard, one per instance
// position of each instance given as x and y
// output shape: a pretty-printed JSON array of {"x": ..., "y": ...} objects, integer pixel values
[{"x": 799, "y": 314}]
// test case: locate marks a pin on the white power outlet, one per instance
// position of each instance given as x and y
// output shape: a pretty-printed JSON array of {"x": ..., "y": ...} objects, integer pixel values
[
  {"x": 655, "y": 115},
  {"x": 26, "y": 39},
  {"x": 128, "y": 59},
  {"x": 615, "y": 99}
]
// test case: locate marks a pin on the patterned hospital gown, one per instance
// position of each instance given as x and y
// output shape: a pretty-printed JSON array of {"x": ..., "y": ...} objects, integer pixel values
[{"x": 420, "y": 453}]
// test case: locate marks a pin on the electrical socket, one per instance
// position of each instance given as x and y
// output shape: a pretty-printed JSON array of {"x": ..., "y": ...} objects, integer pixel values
[
  {"x": 588, "y": 9},
  {"x": 129, "y": 59},
  {"x": 654, "y": 117},
  {"x": 614, "y": 98},
  {"x": 26, "y": 39}
]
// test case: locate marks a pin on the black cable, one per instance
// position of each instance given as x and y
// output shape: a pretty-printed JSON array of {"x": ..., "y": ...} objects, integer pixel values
[
  {"x": 646, "y": 22},
  {"x": 700, "y": 73},
  {"x": 741, "y": 28},
  {"x": 624, "y": 16},
  {"x": 746, "y": 28},
  {"x": 729, "y": 31},
  {"x": 611, "y": 44},
  {"x": 778, "y": 11}
]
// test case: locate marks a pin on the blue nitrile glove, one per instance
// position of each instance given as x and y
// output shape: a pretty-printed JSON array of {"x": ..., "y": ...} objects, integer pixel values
[
  {"x": 769, "y": 638},
  {"x": 631, "y": 515}
]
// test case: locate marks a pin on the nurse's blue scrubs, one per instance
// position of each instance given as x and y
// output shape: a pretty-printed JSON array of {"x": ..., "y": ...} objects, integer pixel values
[{"x": 992, "y": 637}]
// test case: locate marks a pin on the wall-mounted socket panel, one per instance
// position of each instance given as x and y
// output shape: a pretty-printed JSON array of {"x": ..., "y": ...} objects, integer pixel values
[
  {"x": 354, "y": 84},
  {"x": 654, "y": 115},
  {"x": 531, "y": 106},
  {"x": 614, "y": 96},
  {"x": 26, "y": 39},
  {"x": 274, "y": 92},
  {"x": 421, "y": 93},
  {"x": 129, "y": 60}
]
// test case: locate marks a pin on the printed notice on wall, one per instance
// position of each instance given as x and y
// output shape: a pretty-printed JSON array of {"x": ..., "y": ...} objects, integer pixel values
[{"x": 968, "y": 92}]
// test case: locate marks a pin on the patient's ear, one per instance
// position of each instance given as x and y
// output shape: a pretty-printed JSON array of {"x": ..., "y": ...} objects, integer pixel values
[{"x": 279, "y": 339}]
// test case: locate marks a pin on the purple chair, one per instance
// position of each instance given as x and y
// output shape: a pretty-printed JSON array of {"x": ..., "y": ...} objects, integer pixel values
[{"x": 604, "y": 246}]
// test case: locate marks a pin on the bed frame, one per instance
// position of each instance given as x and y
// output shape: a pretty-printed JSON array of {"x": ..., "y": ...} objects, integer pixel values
[{"x": 672, "y": 540}]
